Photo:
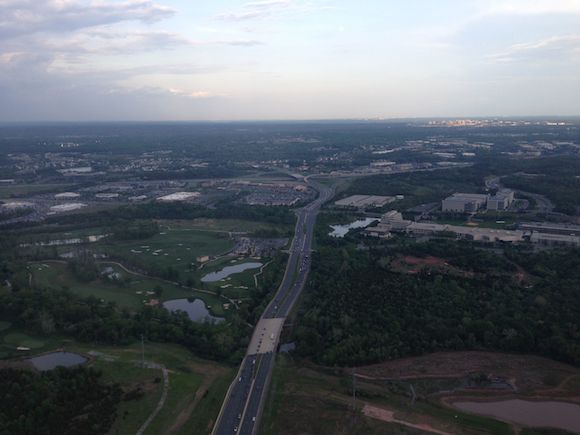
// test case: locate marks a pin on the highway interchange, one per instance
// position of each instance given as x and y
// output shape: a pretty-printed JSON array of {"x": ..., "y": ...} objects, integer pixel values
[{"x": 244, "y": 402}]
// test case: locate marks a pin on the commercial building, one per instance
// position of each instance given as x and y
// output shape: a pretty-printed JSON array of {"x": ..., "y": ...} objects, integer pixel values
[
  {"x": 501, "y": 200},
  {"x": 464, "y": 202},
  {"x": 473, "y": 202}
]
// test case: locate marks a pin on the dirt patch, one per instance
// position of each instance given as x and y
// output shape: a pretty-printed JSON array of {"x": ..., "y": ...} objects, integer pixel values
[
  {"x": 389, "y": 417},
  {"x": 412, "y": 265},
  {"x": 528, "y": 373},
  {"x": 427, "y": 261}
]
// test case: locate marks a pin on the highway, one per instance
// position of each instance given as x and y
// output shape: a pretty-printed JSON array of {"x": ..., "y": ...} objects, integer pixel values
[{"x": 244, "y": 402}]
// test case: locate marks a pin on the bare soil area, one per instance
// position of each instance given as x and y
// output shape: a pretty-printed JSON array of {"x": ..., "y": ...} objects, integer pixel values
[{"x": 527, "y": 373}]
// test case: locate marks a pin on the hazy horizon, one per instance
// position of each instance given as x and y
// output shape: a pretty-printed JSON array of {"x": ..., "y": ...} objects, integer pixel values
[{"x": 287, "y": 60}]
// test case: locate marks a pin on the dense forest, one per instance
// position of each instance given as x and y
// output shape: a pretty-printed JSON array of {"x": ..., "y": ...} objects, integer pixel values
[
  {"x": 61, "y": 401},
  {"x": 358, "y": 310}
]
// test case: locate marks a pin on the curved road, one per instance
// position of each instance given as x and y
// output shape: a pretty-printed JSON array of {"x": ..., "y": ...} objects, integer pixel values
[{"x": 244, "y": 402}]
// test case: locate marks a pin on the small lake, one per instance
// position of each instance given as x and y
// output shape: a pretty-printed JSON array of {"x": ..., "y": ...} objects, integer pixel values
[
  {"x": 341, "y": 230},
  {"x": 53, "y": 360},
  {"x": 195, "y": 309},
  {"x": 549, "y": 414},
  {"x": 229, "y": 270}
]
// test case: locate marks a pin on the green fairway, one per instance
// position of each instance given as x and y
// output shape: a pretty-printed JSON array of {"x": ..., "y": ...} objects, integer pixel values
[
  {"x": 16, "y": 339},
  {"x": 176, "y": 249},
  {"x": 4, "y": 325},
  {"x": 132, "y": 291}
]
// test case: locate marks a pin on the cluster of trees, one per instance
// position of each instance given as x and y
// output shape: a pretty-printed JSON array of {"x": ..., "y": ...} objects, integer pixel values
[
  {"x": 157, "y": 210},
  {"x": 134, "y": 230},
  {"x": 562, "y": 189},
  {"x": 47, "y": 311},
  {"x": 359, "y": 311},
  {"x": 84, "y": 267},
  {"x": 60, "y": 401}
]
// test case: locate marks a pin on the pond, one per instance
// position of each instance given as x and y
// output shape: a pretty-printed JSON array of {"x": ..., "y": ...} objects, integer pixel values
[
  {"x": 53, "y": 360},
  {"x": 549, "y": 414},
  {"x": 341, "y": 230},
  {"x": 194, "y": 308},
  {"x": 229, "y": 270}
]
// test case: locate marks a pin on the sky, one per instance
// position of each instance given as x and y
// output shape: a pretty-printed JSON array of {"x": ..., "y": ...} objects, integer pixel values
[{"x": 103, "y": 60}]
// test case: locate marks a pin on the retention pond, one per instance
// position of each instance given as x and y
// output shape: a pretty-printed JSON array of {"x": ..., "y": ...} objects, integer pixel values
[
  {"x": 194, "y": 308},
  {"x": 341, "y": 230},
  {"x": 229, "y": 270},
  {"x": 53, "y": 360},
  {"x": 546, "y": 414}
]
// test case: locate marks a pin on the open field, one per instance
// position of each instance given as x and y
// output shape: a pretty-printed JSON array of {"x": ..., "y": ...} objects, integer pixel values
[{"x": 311, "y": 401}]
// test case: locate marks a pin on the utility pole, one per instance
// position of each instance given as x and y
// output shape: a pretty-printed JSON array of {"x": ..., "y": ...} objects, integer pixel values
[
  {"x": 142, "y": 352},
  {"x": 353, "y": 390}
]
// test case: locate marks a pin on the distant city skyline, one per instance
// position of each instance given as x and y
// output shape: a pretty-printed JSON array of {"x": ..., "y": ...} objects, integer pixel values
[{"x": 140, "y": 60}]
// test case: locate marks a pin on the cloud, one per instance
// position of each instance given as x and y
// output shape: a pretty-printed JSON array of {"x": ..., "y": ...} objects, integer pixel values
[
  {"x": 241, "y": 42},
  {"x": 555, "y": 48},
  {"x": 165, "y": 92},
  {"x": 259, "y": 10},
  {"x": 255, "y": 9},
  {"x": 60, "y": 16},
  {"x": 534, "y": 7}
]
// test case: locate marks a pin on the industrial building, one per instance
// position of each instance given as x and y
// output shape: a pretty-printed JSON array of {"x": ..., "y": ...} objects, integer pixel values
[
  {"x": 546, "y": 234},
  {"x": 364, "y": 201},
  {"x": 179, "y": 196},
  {"x": 393, "y": 222},
  {"x": 67, "y": 195}
]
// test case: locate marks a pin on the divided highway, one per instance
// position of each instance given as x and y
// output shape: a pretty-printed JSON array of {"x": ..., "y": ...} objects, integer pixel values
[{"x": 244, "y": 402}]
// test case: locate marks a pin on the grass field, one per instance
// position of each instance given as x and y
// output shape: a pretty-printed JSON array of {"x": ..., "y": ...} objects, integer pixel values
[{"x": 310, "y": 401}]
